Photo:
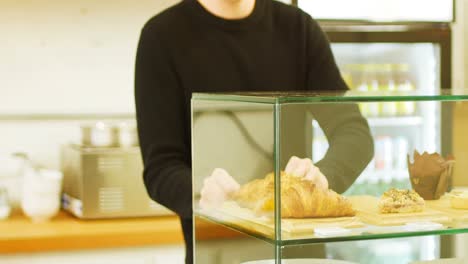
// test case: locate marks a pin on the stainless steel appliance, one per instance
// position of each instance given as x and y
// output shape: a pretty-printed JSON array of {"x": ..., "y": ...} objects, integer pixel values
[{"x": 105, "y": 183}]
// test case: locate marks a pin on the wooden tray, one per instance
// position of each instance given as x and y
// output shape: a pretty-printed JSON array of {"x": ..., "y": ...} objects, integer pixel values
[
  {"x": 459, "y": 216},
  {"x": 368, "y": 211},
  {"x": 232, "y": 214}
]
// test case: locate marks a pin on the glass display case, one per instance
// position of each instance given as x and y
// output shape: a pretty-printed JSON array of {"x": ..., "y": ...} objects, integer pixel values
[{"x": 292, "y": 172}]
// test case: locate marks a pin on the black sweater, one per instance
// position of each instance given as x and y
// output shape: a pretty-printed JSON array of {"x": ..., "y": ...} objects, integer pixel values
[{"x": 186, "y": 49}]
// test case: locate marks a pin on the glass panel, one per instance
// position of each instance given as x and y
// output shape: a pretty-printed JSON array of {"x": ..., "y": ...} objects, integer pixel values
[
  {"x": 336, "y": 96},
  {"x": 348, "y": 157},
  {"x": 227, "y": 246},
  {"x": 232, "y": 145}
]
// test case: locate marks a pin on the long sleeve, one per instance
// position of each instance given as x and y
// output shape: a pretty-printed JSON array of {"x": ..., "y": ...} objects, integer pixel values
[
  {"x": 162, "y": 126},
  {"x": 351, "y": 145},
  {"x": 322, "y": 71}
]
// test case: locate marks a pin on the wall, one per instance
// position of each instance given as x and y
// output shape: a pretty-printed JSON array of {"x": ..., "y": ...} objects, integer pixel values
[
  {"x": 70, "y": 56},
  {"x": 64, "y": 63}
]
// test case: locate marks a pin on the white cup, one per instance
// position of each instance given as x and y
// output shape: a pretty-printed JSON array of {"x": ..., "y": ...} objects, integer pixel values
[
  {"x": 40, "y": 199},
  {"x": 128, "y": 136},
  {"x": 100, "y": 134}
]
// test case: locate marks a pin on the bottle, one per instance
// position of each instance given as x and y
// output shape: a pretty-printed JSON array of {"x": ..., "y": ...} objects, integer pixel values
[
  {"x": 384, "y": 161},
  {"x": 404, "y": 85},
  {"x": 401, "y": 151},
  {"x": 368, "y": 83},
  {"x": 374, "y": 87},
  {"x": 388, "y": 87},
  {"x": 401, "y": 178},
  {"x": 361, "y": 86}
]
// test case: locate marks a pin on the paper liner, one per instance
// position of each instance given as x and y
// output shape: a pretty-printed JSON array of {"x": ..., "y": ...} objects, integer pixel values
[{"x": 430, "y": 174}]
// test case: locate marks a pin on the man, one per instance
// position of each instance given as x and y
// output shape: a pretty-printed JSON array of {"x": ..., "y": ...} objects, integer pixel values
[{"x": 212, "y": 46}]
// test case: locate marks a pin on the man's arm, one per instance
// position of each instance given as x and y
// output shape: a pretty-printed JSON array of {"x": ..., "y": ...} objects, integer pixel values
[
  {"x": 351, "y": 144},
  {"x": 162, "y": 126}
]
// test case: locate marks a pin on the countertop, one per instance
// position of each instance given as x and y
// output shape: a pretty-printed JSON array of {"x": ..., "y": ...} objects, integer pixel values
[{"x": 65, "y": 232}]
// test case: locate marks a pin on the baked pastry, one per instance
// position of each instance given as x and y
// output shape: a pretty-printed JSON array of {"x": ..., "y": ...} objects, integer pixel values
[
  {"x": 401, "y": 201},
  {"x": 300, "y": 198},
  {"x": 459, "y": 199}
]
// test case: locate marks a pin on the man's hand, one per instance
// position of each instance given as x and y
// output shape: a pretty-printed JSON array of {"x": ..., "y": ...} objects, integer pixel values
[
  {"x": 217, "y": 188},
  {"x": 306, "y": 169}
]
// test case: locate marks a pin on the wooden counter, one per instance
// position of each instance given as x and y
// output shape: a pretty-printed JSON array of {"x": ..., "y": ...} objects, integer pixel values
[{"x": 65, "y": 232}]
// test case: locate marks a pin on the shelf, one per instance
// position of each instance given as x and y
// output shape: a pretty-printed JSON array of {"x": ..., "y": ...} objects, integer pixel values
[
  {"x": 366, "y": 225},
  {"x": 65, "y": 232},
  {"x": 395, "y": 121},
  {"x": 366, "y": 233},
  {"x": 367, "y": 236}
]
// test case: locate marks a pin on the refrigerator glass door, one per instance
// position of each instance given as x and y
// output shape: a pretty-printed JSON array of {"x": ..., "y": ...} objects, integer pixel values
[
  {"x": 392, "y": 67},
  {"x": 380, "y": 10},
  {"x": 389, "y": 67}
]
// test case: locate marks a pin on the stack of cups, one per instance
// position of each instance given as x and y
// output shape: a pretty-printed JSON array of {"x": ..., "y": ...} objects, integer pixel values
[
  {"x": 128, "y": 136},
  {"x": 40, "y": 199}
]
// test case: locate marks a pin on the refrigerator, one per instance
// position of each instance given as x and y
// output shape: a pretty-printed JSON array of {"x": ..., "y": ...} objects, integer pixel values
[{"x": 391, "y": 45}]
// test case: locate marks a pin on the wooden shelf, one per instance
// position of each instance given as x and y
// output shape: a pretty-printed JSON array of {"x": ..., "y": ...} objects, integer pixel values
[{"x": 65, "y": 232}]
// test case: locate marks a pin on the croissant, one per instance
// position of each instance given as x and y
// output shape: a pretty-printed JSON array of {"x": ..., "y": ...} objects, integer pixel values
[{"x": 300, "y": 198}]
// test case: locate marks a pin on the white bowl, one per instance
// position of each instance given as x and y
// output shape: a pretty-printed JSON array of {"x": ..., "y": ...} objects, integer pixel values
[
  {"x": 40, "y": 208},
  {"x": 41, "y": 194}
]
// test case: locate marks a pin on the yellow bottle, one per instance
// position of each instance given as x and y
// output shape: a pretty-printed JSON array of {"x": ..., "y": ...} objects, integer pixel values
[{"x": 404, "y": 86}]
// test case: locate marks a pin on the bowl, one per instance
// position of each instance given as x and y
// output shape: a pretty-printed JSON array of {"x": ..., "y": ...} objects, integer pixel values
[{"x": 40, "y": 199}]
